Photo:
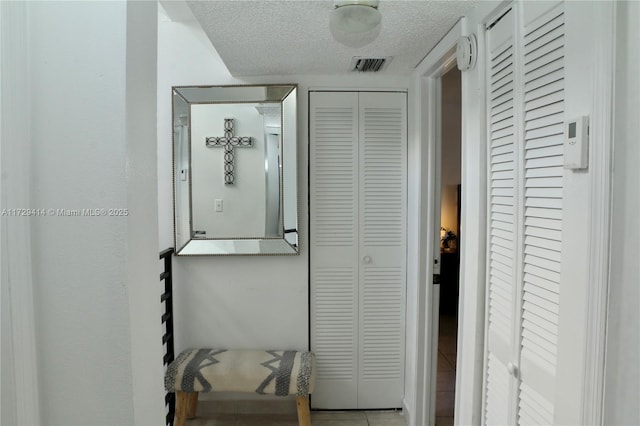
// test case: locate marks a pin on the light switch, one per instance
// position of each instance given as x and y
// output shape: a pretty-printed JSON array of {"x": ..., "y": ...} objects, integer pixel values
[
  {"x": 576, "y": 143},
  {"x": 218, "y": 205}
]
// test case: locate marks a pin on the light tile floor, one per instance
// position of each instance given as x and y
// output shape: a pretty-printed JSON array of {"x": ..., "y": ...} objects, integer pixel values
[
  {"x": 283, "y": 413},
  {"x": 446, "y": 375}
]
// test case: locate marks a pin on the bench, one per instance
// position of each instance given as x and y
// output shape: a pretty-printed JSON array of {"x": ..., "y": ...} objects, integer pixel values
[{"x": 279, "y": 373}]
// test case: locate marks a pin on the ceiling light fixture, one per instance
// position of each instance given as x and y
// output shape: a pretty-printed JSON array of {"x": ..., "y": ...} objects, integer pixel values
[{"x": 355, "y": 23}]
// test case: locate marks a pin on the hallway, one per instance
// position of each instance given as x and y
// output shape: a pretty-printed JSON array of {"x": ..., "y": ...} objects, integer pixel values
[{"x": 446, "y": 377}]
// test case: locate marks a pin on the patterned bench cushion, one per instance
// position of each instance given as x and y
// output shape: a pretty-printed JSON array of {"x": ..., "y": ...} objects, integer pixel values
[{"x": 265, "y": 372}]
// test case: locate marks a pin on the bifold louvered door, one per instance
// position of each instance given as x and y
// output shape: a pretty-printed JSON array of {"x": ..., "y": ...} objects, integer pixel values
[
  {"x": 358, "y": 247},
  {"x": 525, "y": 106},
  {"x": 502, "y": 226},
  {"x": 334, "y": 262}
]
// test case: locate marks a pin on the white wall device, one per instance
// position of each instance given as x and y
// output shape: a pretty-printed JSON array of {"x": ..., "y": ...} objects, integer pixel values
[
  {"x": 466, "y": 52},
  {"x": 576, "y": 143}
]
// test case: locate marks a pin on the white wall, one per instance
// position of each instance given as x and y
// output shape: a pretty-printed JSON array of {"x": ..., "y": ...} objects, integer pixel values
[
  {"x": 243, "y": 202},
  {"x": 238, "y": 301},
  {"x": 451, "y": 146},
  {"x": 622, "y": 382},
  {"x": 588, "y": 56},
  {"x": 92, "y": 96},
  {"x": 185, "y": 57}
]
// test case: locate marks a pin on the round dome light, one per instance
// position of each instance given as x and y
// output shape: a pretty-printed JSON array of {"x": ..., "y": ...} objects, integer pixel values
[{"x": 355, "y": 23}]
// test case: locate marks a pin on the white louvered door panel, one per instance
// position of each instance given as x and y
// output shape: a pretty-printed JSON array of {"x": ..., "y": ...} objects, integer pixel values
[
  {"x": 497, "y": 392},
  {"x": 333, "y": 133},
  {"x": 358, "y": 155},
  {"x": 543, "y": 181},
  {"x": 382, "y": 224},
  {"x": 525, "y": 229},
  {"x": 503, "y": 223}
]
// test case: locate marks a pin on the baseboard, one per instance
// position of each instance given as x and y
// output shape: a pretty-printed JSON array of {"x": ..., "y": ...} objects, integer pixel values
[{"x": 408, "y": 415}]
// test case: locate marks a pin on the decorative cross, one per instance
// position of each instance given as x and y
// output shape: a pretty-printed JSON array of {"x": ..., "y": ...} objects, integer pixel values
[{"x": 228, "y": 141}]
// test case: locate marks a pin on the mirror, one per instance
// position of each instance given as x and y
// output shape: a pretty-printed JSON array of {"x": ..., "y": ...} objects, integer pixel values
[{"x": 235, "y": 170}]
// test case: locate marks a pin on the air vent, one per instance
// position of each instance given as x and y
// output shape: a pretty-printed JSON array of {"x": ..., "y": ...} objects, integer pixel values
[{"x": 369, "y": 64}]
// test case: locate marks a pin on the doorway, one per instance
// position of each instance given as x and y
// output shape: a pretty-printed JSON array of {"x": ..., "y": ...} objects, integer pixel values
[
  {"x": 450, "y": 200},
  {"x": 469, "y": 345}
]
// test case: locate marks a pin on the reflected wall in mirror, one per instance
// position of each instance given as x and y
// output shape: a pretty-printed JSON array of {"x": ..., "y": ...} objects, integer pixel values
[{"x": 235, "y": 170}]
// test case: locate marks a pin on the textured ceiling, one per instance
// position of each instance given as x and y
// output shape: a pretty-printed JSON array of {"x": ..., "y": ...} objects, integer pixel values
[{"x": 274, "y": 37}]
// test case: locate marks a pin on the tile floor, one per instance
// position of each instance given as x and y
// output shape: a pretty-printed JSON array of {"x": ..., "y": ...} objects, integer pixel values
[
  {"x": 446, "y": 375},
  {"x": 283, "y": 413}
]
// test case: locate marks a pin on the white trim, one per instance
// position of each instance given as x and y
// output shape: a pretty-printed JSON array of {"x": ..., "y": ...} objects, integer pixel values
[
  {"x": 425, "y": 79},
  {"x": 471, "y": 324},
  {"x": 143, "y": 286},
  {"x": 414, "y": 264},
  {"x": 434, "y": 93},
  {"x": 406, "y": 412},
  {"x": 16, "y": 232},
  {"x": 601, "y": 130},
  {"x": 439, "y": 56},
  {"x": 6, "y": 413}
]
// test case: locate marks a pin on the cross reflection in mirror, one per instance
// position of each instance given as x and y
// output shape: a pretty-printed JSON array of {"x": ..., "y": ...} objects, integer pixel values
[{"x": 229, "y": 142}]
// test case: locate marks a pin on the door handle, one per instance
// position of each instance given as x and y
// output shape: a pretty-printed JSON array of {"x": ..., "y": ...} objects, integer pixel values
[
  {"x": 366, "y": 259},
  {"x": 512, "y": 369}
]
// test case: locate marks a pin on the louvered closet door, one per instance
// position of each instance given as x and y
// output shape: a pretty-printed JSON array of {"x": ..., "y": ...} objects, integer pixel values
[
  {"x": 503, "y": 224},
  {"x": 358, "y": 248},
  {"x": 543, "y": 69},
  {"x": 382, "y": 219},
  {"x": 525, "y": 185},
  {"x": 333, "y": 132}
]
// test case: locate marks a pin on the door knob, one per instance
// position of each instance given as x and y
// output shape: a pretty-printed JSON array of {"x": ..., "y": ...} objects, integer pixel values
[
  {"x": 366, "y": 259},
  {"x": 512, "y": 369}
]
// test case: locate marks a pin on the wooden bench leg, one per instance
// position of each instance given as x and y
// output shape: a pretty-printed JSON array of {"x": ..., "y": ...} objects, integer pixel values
[
  {"x": 192, "y": 405},
  {"x": 182, "y": 401},
  {"x": 304, "y": 415}
]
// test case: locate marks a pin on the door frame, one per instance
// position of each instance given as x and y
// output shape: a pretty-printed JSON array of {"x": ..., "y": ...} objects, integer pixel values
[
  {"x": 19, "y": 370},
  {"x": 473, "y": 222}
]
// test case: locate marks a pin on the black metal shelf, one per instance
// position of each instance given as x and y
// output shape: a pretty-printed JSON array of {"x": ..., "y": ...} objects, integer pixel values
[{"x": 167, "y": 319}]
